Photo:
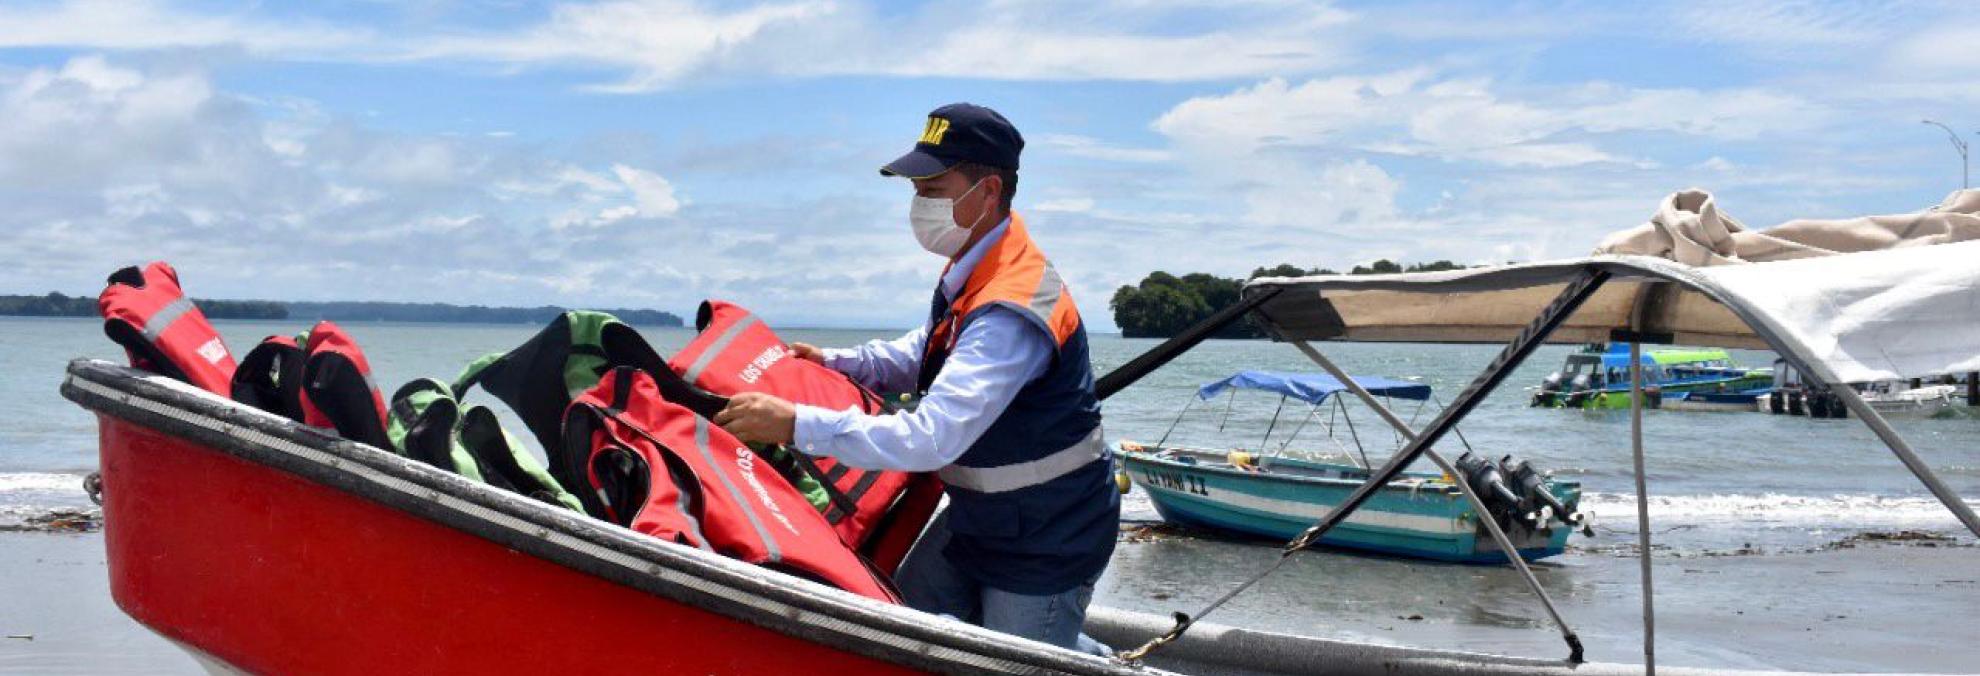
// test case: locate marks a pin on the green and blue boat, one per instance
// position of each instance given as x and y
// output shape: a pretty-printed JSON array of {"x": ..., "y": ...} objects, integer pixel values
[
  {"x": 1598, "y": 378},
  {"x": 1274, "y": 494}
]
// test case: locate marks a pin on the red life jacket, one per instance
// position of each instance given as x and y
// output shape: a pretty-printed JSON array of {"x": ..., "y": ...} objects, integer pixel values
[
  {"x": 736, "y": 352},
  {"x": 160, "y": 328},
  {"x": 659, "y": 469},
  {"x": 337, "y": 384}
]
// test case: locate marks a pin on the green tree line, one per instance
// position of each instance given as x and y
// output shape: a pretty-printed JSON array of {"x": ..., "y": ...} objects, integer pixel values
[
  {"x": 1162, "y": 304},
  {"x": 56, "y": 304},
  {"x": 59, "y": 305}
]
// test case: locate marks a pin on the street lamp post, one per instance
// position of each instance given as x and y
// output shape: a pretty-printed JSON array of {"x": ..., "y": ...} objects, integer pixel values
[{"x": 1965, "y": 177}]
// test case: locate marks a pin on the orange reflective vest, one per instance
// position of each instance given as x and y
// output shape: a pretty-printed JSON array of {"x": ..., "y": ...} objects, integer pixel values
[{"x": 1032, "y": 508}]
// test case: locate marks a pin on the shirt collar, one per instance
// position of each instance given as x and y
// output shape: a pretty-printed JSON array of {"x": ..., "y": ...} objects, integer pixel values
[{"x": 958, "y": 274}]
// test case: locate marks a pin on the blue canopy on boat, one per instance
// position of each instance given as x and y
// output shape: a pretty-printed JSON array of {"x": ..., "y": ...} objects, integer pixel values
[{"x": 1312, "y": 388}]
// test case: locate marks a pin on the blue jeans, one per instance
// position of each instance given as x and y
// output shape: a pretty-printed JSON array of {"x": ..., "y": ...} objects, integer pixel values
[{"x": 929, "y": 583}]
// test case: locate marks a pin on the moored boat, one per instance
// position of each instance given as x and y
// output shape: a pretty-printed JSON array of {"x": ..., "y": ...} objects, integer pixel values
[
  {"x": 1273, "y": 492},
  {"x": 1597, "y": 377}
]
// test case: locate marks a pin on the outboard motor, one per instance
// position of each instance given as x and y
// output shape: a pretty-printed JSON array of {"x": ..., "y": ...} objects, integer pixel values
[
  {"x": 1550, "y": 390},
  {"x": 1532, "y": 486},
  {"x": 1580, "y": 389},
  {"x": 1484, "y": 478}
]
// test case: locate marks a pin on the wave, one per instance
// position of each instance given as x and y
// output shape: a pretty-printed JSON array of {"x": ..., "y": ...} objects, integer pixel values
[
  {"x": 19, "y": 484},
  {"x": 1776, "y": 508}
]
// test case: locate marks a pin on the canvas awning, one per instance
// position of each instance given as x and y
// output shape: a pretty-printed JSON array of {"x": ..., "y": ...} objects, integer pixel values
[
  {"x": 1878, "y": 315},
  {"x": 1312, "y": 388}
]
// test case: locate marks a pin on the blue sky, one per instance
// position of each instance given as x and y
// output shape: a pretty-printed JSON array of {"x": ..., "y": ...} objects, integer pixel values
[{"x": 654, "y": 153}]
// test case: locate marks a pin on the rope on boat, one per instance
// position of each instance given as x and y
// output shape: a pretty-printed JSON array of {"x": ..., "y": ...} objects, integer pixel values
[
  {"x": 1174, "y": 423},
  {"x": 1310, "y": 413}
]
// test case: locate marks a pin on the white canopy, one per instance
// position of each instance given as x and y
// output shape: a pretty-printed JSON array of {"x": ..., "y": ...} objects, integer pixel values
[{"x": 1878, "y": 315}]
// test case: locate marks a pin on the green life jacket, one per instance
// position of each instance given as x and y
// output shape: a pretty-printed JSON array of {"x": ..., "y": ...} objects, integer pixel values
[
  {"x": 428, "y": 424},
  {"x": 424, "y": 424},
  {"x": 540, "y": 378}
]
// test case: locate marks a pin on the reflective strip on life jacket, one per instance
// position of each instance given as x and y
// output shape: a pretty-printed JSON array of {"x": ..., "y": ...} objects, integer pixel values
[
  {"x": 161, "y": 330},
  {"x": 1007, "y": 478}
]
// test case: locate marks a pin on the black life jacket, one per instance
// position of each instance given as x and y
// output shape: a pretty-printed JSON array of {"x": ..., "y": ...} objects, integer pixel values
[
  {"x": 337, "y": 383},
  {"x": 539, "y": 379},
  {"x": 270, "y": 378},
  {"x": 658, "y": 468},
  {"x": 161, "y": 329}
]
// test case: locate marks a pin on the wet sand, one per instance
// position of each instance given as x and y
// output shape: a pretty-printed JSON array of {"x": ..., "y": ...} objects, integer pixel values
[
  {"x": 1873, "y": 606},
  {"x": 1861, "y": 605},
  {"x": 55, "y": 588}
]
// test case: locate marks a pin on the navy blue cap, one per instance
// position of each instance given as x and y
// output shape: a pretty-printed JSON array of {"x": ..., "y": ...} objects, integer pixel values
[{"x": 960, "y": 132}]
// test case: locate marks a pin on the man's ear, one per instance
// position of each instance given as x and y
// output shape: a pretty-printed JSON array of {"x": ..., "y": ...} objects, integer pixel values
[{"x": 994, "y": 184}]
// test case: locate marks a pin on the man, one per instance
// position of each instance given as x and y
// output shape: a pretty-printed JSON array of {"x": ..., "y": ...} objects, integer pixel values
[{"x": 1007, "y": 415}]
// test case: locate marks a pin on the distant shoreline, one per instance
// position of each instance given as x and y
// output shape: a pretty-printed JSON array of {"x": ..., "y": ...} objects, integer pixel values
[{"x": 61, "y": 305}]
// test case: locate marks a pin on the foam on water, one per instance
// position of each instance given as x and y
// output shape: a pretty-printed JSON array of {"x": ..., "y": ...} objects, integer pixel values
[
  {"x": 39, "y": 484},
  {"x": 25, "y": 495},
  {"x": 1778, "y": 509}
]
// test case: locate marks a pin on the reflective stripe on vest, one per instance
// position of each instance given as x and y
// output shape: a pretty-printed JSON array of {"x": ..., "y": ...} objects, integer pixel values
[
  {"x": 771, "y": 551},
  {"x": 154, "y": 328},
  {"x": 1007, "y": 478},
  {"x": 693, "y": 372}
]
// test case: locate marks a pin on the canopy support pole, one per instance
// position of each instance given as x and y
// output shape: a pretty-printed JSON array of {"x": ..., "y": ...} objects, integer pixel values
[
  {"x": 1902, "y": 448},
  {"x": 1477, "y": 504},
  {"x": 1265, "y": 442},
  {"x": 1642, "y": 506},
  {"x": 1356, "y": 436}
]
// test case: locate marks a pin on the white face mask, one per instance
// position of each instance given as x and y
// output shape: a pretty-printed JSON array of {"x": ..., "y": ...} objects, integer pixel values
[{"x": 934, "y": 220}]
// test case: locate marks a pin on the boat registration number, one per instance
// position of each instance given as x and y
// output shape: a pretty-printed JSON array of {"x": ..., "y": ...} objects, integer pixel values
[{"x": 1176, "y": 482}]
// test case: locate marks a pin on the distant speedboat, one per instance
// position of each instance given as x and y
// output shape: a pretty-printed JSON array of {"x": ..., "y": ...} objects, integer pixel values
[
  {"x": 1265, "y": 493},
  {"x": 1598, "y": 378}
]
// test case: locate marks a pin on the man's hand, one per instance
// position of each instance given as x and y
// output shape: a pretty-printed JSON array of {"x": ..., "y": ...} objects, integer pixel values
[
  {"x": 808, "y": 352},
  {"x": 760, "y": 418}
]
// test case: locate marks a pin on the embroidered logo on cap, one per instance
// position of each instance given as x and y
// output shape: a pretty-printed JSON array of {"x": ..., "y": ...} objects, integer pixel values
[{"x": 932, "y": 134}]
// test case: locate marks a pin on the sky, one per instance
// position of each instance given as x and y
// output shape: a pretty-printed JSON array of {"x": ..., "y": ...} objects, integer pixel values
[{"x": 653, "y": 153}]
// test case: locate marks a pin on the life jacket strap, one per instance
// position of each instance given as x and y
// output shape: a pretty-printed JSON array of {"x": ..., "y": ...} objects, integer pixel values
[{"x": 1014, "y": 476}]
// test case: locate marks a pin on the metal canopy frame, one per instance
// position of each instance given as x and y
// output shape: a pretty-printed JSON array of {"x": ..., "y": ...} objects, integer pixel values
[{"x": 1591, "y": 276}]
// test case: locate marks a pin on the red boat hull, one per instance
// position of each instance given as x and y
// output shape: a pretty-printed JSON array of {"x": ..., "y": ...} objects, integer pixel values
[{"x": 272, "y": 573}]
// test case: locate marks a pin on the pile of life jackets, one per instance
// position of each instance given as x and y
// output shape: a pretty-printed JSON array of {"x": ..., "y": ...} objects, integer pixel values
[{"x": 627, "y": 434}]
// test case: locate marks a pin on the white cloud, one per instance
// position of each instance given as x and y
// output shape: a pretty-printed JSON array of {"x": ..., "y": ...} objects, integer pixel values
[
  {"x": 651, "y": 193},
  {"x": 1071, "y": 205},
  {"x": 659, "y": 41},
  {"x": 1089, "y": 147},
  {"x": 655, "y": 44},
  {"x": 148, "y": 24},
  {"x": 1413, "y": 113}
]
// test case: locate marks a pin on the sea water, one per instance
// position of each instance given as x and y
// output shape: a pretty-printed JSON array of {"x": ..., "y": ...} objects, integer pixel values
[{"x": 1721, "y": 484}]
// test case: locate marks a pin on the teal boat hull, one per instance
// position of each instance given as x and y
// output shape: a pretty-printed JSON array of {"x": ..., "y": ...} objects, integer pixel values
[{"x": 1418, "y": 517}]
